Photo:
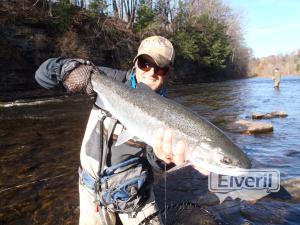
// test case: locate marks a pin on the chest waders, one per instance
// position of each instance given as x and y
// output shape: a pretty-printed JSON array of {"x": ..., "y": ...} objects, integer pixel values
[
  {"x": 104, "y": 217},
  {"x": 124, "y": 187},
  {"x": 121, "y": 188}
]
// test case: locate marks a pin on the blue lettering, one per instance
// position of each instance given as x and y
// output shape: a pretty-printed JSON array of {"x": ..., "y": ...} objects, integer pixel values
[
  {"x": 220, "y": 180},
  {"x": 239, "y": 184},
  {"x": 248, "y": 180},
  {"x": 257, "y": 181},
  {"x": 265, "y": 180}
]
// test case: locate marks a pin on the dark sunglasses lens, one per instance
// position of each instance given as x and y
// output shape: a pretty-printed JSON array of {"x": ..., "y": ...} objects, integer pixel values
[
  {"x": 143, "y": 65},
  {"x": 146, "y": 66}
]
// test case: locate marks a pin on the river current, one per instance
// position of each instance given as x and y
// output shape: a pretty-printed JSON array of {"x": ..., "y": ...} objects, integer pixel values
[{"x": 40, "y": 141}]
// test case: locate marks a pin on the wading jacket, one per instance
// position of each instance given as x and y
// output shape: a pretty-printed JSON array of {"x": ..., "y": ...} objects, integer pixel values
[{"x": 51, "y": 74}]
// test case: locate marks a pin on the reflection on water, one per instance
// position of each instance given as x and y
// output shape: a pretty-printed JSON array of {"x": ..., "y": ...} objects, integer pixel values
[{"x": 40, "y": 142}]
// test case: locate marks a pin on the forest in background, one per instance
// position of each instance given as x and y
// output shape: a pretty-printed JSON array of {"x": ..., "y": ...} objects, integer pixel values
[
  {"x": 288, "y": 64},
  {"x": 179, "y": 18},
  {"x": 207, "y": 36}
]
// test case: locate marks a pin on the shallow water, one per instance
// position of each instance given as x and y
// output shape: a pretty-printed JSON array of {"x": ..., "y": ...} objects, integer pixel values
[{"x": 40, "y": 142}]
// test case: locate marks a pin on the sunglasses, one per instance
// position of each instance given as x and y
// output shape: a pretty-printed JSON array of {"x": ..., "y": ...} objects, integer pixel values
[{"x": 146, "y": 66}]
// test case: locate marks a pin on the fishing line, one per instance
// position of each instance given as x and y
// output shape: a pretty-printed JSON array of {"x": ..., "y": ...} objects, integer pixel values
[
  {"x": 33, "y": 182},
  {"x": 165, "y": 192}
]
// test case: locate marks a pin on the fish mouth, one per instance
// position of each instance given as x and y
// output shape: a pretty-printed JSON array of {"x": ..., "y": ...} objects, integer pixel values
[
  {"x": 231, "y": 163},
  {"x": 206, "y": 168},
  {"x": 223, "y": 169},
  {"x": 237, "y": 168},
  {"x": 228, "y": 170},
  {"x": 233, "y": 159}
]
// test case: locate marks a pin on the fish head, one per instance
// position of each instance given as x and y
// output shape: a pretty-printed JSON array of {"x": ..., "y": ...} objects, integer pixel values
[{"x": 225, "y": 159}]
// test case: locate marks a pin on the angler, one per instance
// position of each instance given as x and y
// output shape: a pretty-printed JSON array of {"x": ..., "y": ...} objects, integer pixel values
[{"x": 105, "y": 191}]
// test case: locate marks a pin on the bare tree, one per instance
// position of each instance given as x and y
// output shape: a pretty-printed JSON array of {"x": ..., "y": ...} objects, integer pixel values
[
  {"x": 46, "y": 4},
  {"x": 115, "y": 9},
  {"x": 130, "y": 10},
  {"x": 50, "y": 8}
]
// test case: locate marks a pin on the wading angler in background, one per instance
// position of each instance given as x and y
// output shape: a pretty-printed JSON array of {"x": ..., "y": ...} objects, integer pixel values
[
  {"x": 276, "y": 77},
  {"x": 104, "y": 190}
]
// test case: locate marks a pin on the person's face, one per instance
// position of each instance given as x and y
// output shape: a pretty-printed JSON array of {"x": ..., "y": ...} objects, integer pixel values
[{"x": 149, "y": 73}]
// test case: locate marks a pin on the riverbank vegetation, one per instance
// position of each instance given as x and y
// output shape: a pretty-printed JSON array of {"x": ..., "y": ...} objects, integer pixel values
[
  {"x": 207, "y": 35},
  {"x": 288, "y": 64}
]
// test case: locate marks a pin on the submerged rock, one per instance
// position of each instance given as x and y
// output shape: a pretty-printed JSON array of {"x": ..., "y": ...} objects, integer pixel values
[
  {"x": 251, "y": 127},
  {"x": 269, "y": 115}
]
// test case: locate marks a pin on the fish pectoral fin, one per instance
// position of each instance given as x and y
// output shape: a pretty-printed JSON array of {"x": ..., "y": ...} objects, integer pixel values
[{"x": 124, "y": 137}]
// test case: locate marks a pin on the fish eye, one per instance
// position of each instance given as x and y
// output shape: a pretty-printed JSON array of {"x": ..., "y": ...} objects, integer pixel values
[{"x": 226, "y": 160}]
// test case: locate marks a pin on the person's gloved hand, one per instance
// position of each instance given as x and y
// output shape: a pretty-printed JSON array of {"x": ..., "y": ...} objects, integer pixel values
[{"x": 79, "y": 80}]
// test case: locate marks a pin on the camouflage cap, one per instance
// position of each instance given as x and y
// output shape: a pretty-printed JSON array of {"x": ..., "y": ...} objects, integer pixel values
[{"x": 159, "y": 49}]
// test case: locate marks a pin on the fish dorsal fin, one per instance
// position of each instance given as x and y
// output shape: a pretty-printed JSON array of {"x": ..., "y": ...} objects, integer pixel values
[{"x": 125, "y": 136}]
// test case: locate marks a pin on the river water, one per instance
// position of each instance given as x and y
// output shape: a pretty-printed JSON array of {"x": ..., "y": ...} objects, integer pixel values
[
  {"x": 40, "y": 141},
  {"x": 226, "y": 102}
]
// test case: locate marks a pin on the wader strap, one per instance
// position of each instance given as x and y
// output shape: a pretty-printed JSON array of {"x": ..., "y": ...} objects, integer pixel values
[
  {"x": 101, "y": 125},
  {"x": 105, "y": 149}
]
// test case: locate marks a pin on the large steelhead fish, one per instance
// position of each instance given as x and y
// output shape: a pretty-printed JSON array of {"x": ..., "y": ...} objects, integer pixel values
[{"x": 144, "y": 112}]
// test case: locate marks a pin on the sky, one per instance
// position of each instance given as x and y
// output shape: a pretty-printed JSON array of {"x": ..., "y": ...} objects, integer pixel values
[{"x": 270, "y": 26}]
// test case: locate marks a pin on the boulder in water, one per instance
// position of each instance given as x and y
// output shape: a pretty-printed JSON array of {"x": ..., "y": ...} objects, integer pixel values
[
  {"x": 251, "y": 127},
  {"x": 269, "y": 115}
]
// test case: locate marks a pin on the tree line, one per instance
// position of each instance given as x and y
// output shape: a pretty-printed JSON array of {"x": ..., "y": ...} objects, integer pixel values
[
  {"x": 288, "y": 64},
  {"x": 207, "y": 34}
]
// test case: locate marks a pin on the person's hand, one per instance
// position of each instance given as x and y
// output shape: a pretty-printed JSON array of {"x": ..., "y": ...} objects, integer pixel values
[
  {"x": 163, "y": 148},
  {"x": 79, "y": 80}
]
